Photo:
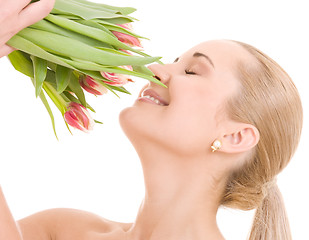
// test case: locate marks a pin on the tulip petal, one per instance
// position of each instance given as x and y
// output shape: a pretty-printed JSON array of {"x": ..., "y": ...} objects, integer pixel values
[
  {"x": 78, "y": 117},
  {"x": 91, "y": 86}
]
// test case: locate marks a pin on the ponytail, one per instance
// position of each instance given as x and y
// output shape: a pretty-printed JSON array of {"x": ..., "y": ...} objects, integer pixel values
[{"x": 270, "y": 220}]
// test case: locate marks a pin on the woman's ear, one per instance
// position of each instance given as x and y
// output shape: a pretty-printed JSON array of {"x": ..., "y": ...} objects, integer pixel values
[{"x": 242, "y": 139}]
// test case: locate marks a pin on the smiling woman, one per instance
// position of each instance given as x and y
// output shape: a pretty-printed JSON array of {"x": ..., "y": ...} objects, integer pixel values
[
  {"x": 227, "y": 124},
  {"x": 185, "y": 181}
]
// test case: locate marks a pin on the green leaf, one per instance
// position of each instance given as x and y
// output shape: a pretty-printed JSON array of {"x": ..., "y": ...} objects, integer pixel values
[
  {"x": 67, "y": 126},
  {"x": 40, "y": 71},
  {"x": 76, "y": 88},
  {"x": 51, "y": 27},
  {"x": 85, "y": 67},
  {"x": 21, "y": 63},
  {"x": 45, "y": 102},
  {"x": 51, "y": 78},
  {"x": 52, "y": 66},
  {"x": 96, "y": 121},
  {"x": 31, "y": 48},
  {"x": 108, "y": 87},
  {"x": 115, "y": 51},
  {"x": 114, "y": 27},
  {"x": 120, "y": 70},
  {"x": 143, "y": 69},
  {"x": 72, "y": 17},
  {"x": 55, "y": 97},
  {"x": 121, "y": 10},
  {"x": 120, "y": 89},
  {"x": 117, "y": 20},
  {"x": 87, "y": 13},
  {"x": 71, "y": 98},
  {"x": 63, "y": 76},
  {"x": 82, "y": 64},
  {"x": 65, "y": 46},
  {"x": 93, "y": 24},
  {"x": 92, "y": 32}
]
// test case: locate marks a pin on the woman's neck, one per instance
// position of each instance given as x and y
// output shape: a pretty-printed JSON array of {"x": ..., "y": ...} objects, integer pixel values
[{"x": 181, "y": 200}]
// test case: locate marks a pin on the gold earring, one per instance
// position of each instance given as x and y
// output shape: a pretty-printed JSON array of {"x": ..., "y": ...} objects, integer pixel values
[{"x": 217, "y": 144}]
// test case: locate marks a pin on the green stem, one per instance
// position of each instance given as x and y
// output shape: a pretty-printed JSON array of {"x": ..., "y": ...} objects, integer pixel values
[{"x": 60, "y": 103}]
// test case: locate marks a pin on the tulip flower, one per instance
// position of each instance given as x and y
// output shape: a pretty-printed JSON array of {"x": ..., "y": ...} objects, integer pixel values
[
  {"x": 78, "y": 117},
  {"x": 127, "y": 39},
  {"x": 84, "y": 55},
  {"x": 91, "y": 86},
  {"x": 116, "y": 79}
]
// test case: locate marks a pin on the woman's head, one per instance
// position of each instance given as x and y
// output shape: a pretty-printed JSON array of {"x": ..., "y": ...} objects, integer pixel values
[
  {"x": 229, "y": 91},
  {"x": 198, "y": 84}
]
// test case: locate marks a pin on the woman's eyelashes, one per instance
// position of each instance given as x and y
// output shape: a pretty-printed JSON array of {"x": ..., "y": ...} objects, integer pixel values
[
  {"x": 187, "y": 71},
  {"x": 190, "y": 72}
]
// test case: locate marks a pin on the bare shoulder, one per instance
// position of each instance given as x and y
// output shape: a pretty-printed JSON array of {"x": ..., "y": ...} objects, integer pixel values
[{"x": 67, "y": 224}]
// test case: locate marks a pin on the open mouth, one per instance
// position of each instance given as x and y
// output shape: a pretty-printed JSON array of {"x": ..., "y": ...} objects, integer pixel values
[{"x": 151, "y": 96}]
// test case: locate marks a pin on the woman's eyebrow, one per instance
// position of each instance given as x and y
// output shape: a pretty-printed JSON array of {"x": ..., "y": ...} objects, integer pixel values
[{"x": 199, "y": 54}]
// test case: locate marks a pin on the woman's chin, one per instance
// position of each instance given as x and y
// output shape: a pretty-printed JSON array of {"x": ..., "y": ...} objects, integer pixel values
[
  {"x": 123, "y": 116},
  {"x": 128, "y": 120}
]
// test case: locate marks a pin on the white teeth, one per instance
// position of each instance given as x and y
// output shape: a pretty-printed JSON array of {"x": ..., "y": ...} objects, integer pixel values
[{"x": 154, "y": 100}]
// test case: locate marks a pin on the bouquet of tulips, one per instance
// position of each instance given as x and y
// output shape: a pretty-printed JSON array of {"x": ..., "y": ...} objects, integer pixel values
[{"x": 80, "y": 46}]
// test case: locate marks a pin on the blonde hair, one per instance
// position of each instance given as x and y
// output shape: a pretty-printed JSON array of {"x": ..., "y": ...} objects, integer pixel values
[{"x": 270, "y": 101}]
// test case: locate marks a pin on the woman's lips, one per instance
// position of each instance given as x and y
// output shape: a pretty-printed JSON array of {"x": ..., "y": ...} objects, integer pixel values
[
  {"x": 149, "y": 95},
  {"x": 143, "y": 99}
]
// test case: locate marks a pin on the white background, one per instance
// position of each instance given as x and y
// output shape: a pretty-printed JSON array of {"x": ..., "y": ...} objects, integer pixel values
[{"x": 100, "y": 172}]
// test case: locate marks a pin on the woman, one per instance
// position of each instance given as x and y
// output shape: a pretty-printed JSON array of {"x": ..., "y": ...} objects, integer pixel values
[{"x": 227, "y": 124}]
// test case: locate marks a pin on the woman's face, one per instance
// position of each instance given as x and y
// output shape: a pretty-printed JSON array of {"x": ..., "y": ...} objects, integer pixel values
[{"x": 185, "y": 118}]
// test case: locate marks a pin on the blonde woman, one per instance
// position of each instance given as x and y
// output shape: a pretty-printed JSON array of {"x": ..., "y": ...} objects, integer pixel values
[{"x": 228, "y": 123}]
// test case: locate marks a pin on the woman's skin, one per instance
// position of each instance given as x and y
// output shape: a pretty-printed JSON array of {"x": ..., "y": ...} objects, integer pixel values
[
  {"x": 16, "y": 15},
  {"x": 184, "y": 179}
]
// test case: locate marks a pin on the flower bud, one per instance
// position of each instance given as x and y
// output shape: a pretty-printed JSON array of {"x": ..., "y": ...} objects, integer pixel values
[
  {"x": 91, "y": 86},
  {"x": 116, "y": 79},
  {"x": 127, "y": 39},
  {"x": 78, "y": 117}
]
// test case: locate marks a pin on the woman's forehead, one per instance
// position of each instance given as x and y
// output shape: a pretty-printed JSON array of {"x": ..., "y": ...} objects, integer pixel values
[{"x": 222, "y": 53}]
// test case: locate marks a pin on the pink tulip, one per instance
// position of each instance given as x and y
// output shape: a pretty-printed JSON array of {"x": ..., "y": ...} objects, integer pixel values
[
  {"x": 78, "y": 117},
  {"x": 91, "y": 86},
  {"x": 116, "y": 79},
  {"x": 127, "y": 39}
]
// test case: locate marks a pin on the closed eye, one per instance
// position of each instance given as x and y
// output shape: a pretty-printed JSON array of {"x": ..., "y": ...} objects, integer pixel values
[{"x": 190, "y": 72}]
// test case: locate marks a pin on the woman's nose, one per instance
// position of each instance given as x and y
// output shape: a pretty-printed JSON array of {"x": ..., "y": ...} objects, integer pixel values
[{"x": 161, "y": 72}]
